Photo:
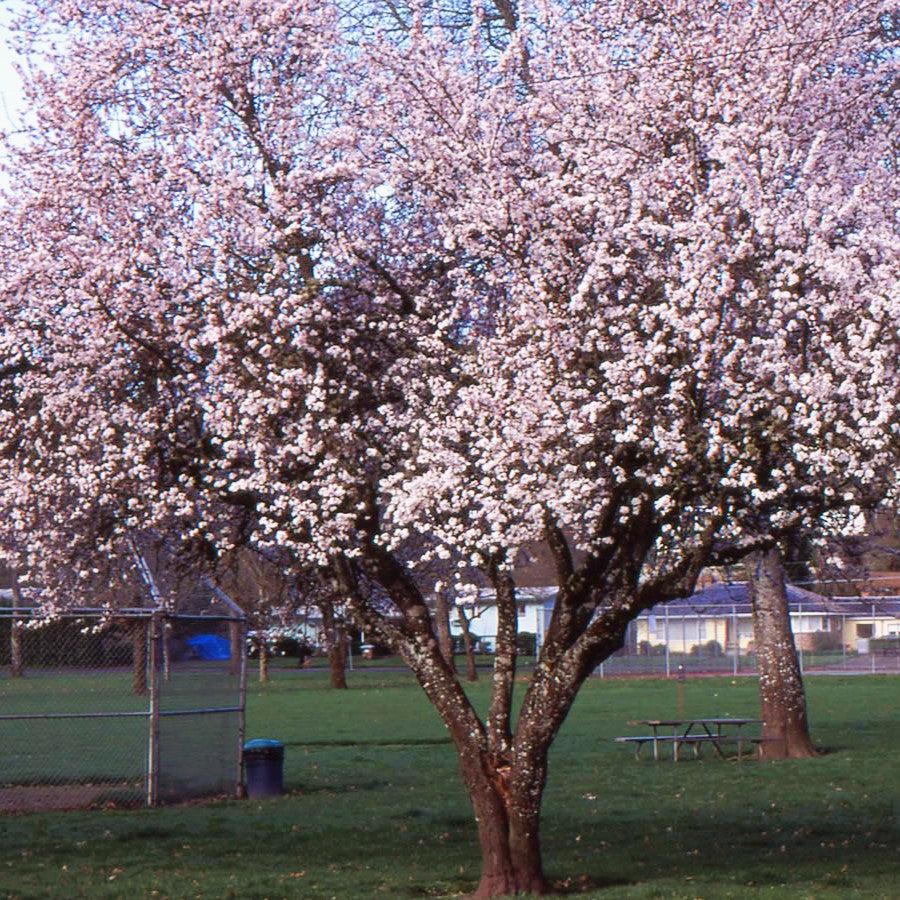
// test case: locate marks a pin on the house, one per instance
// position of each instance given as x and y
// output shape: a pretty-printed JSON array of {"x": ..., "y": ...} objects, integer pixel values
[
  {"x": 535, "y": 606},
  {"x": 719, "y": 614}
]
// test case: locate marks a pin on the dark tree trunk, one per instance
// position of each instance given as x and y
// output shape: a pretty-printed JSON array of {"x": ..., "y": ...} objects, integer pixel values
[
  {"x": 507, "y": 831},
  {"x": 337, "y": 662},
  {"x": 335, "y": 645},
  {"x": 499, "y": 717},
  {"x": 782, "y": 699},
  {"x": 167, "y": 650},
  {"x": 15, "y": 650},
  {"x": 236, "y": 648},
  {"x": 469, "y": 644},
  {"x": 16, "y": 668},
  {"x": 442, "y": 626},
  {"x": 263, "y": 662},
  {"x": 139, "y": 657}
]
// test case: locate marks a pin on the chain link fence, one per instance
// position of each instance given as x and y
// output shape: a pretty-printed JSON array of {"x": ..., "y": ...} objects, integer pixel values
[
  {"x": 695, "y": 644},
  {"x": 100, "y": 709},
  {"x": 853, "y": 636}
]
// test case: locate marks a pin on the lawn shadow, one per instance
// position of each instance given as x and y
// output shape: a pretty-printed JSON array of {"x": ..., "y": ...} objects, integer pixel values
[
  {"x": 334, "y": 790},
  {"x": 727, "y": 849},
  {"x": 414, "y": 742}
]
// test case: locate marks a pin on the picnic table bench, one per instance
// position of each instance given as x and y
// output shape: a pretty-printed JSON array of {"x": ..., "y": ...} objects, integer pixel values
[{"x": 693, "y": 733}]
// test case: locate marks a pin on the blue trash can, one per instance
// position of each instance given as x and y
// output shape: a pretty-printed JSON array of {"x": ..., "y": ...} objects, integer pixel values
[{"x": 264, "y": 767}]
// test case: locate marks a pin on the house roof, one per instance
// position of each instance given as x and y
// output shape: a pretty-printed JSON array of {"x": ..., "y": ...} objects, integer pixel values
[
  {"x": 721, "y": 598},
  {"x": 875, "y": 583}
]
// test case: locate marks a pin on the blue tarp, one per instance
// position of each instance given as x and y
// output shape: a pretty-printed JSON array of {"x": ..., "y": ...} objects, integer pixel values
[{"x": 209, "y": 646}]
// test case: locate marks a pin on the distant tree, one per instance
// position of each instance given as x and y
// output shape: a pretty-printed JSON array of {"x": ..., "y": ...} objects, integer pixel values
[
  {"x": 265, "y": 593},
  {"x": 335, "y": 624},
  {"x": 442, "y": 627},
  {"x": 465, "y": 624}
]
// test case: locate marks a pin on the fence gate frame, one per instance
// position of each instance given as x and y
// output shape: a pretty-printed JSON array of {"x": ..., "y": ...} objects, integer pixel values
[{"x": 156, "y": 620}]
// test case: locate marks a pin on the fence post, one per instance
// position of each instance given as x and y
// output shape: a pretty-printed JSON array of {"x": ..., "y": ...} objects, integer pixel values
[
  {"x": 801, "y": 632},
  {"x": 843, "y": 640},
  {"x": 153, "y": 713},
  {"x": 874, "y": 637},
  {"x": 736, "y": 649},
  {"x": 242, "y": 714},
  {"x": 666, "y": 641},
  {"x": 166, "y": 651}
]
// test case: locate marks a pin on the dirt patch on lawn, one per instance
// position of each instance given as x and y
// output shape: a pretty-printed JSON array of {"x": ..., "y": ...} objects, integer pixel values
[{"x": 26, "y": 798}]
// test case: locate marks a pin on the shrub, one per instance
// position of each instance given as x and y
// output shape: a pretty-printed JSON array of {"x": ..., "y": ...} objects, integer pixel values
[
  {"x": 709, "y": 649},
  {"x": 824, "y": 641},
  {"x": 886, "y": 645}
]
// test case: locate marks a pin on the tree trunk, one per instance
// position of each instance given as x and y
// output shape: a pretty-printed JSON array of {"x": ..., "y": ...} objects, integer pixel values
[
  {"x": 236, "y": 648},
  {"x": 15, "y": 650},
  {"x": 335, "y": 645},
  {"x": 139, "y": 657},
  {"x": 510, "y": 854},
  {"x": 469, "y": 644},
  {"x": 337, "y": 661},
  {"x": 263, "y": 662},
  {"x": 166, "y": 650},
  {"x": 15, "y": 635},
  {"x": 442, "y": 626},
  {"x": 505, "y": 788},
  {"x": 782, "y": 699}
]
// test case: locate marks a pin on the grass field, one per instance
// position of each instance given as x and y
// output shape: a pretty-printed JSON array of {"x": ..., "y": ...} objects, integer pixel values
[{"x": 374, "y": 807}]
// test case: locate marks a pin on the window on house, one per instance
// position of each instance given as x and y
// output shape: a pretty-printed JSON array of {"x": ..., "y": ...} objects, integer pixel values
[
  {"x": 864, "y": 631},
  {"x": 806, "y": 623}
]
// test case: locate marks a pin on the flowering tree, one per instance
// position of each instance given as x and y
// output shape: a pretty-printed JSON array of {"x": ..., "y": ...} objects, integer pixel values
[{"x": 622, "y": 283}]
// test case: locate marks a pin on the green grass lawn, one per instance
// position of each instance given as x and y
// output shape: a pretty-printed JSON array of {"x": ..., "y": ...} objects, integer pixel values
[{"x": 375, "y": 809}]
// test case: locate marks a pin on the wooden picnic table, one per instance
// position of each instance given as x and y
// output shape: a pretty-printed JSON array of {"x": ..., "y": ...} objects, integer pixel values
[{"x": 693, "y": 732}]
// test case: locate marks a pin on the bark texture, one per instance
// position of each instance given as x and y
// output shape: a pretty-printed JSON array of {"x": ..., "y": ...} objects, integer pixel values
[
  {"x": 167, "y": 651},
  {"x": 337, "y": 662},
  {"x": 335, "y": 646},
  {"x": 504, "y": 767},
  {"x": 16, "y": 668},
  {"x": 785, "y": 729},
  {"x": 507, "y": 830},
  {"x": 263, "y": 662}
]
